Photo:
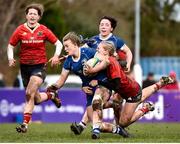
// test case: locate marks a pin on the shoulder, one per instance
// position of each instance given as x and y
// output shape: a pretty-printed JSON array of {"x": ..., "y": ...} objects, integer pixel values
[
  {"x": 20, "y": 27},
  {"x": 96, "y": 37},
  {"x": 69, "y": 58},
  {"x": 112, "y": 60},
  {"x": 43, "y": 26},
  {"x": 87, "y": 50},
  {"x": 117, "y": 37}
]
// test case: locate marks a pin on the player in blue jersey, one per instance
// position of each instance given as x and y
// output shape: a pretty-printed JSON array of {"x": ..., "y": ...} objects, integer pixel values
[
  {"x": 75, "y": 61},
  {"x": 106, "y": 27}
]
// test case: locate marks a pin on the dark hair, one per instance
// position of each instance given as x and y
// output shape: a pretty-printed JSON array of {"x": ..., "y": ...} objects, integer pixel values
[
  {"x": 38, "y": 7},
  {"x": 111, "y": 19}
]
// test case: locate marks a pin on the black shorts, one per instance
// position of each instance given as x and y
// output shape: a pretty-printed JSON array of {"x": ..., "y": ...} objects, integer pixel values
[
  {"x": 135, "y": 99},
  {"x": 29, "y": 70}
]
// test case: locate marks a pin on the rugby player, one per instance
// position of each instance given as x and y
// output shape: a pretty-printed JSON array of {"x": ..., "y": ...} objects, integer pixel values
[{"x": 32, "y": 37}]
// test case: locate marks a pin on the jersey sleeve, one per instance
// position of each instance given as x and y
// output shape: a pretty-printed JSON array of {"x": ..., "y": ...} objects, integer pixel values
[
  {"x": 120, "y": 43},
  {"x": 14, "y": 39},
  {"x": 114, "y": 69},
  {"x": 67, "y": 64},
  {"x": 51, "y": 36},
  {"x": 91, "y": 52},
  {"x": 92, "y": 43}
]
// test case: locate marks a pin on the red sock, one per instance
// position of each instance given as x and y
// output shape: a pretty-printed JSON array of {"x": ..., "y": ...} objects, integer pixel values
[
  {"x": 144, "y": 109},
  {"x": 27, "y": 118},
  {"x": 49, "y": 95},
  {"x": 157, "y": 86}
]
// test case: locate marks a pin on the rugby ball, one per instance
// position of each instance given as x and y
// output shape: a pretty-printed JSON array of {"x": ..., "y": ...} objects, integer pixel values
[{"x": 91, "y": 63}]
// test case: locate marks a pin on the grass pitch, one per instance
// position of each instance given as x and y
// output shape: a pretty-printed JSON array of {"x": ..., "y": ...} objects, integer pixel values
[{"x": 60, "y": 133}]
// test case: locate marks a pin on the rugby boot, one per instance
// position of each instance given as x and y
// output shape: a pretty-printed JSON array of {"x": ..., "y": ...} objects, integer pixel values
[
  {"x": 76, "y": 128},
  {"x": 55, "y": 99},
  {"x": 123, "y": 132},
  {"x": 167, "y": 80},
  {"x": 22, "y": 128},
  {"x": 95, "y": 133},
  {"x": 149, "y": 106}
]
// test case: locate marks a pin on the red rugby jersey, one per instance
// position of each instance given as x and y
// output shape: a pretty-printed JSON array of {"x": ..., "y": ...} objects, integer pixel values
[
  {"x": 32, "y": 43},
  {"x": 127, "y": 87}
]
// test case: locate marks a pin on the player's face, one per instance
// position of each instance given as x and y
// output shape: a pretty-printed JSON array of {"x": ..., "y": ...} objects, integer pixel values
[
  {"x": 32, "y": 16},
  {"x": 105, "y": 27},
  {"x": 101, "y": 49},
  {"x": 69, "y": 47}
]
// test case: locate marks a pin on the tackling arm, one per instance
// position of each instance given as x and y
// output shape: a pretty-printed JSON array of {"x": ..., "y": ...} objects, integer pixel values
[
  {"x": 64, "y": 75},
  {"x": 98, "y": 67},
  {"x": 59, "y": 47},
  {"x": 60, "y": 82},
  {"x": 129, "y": 56}
]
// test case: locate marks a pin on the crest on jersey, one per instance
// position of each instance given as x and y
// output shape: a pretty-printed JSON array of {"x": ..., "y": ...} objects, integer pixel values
[{"x": 40, "y": 33}]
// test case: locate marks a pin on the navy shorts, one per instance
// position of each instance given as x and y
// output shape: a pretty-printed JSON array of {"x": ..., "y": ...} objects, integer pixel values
[
  {"x": 89, "y": 98},
  {"x": 29, "y": 70},
  {"x": 135, "y": 99}
]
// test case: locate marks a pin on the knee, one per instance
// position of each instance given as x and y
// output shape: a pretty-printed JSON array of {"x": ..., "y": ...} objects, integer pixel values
[
  {"x": 97, "y": 104},
  {"x": 116, "y": 104},
  {"x": 124, "y": 120},
  {"x": 36, "y": 101},
  {"x": 28, "y": 93}
]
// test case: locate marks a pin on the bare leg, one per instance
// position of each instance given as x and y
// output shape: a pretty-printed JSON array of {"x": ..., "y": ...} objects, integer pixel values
[
  {"x": 31, "y": 90},
  {"x": 148, "y": 91}
]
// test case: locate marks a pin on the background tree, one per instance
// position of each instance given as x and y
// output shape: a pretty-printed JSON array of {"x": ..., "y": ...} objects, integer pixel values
[{"x": 158, "y": 38}]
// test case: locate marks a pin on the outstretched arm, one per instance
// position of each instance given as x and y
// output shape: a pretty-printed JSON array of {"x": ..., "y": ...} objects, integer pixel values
[
  {"x": 55, "y": 59},
  {"x": 62, "y": 79}
]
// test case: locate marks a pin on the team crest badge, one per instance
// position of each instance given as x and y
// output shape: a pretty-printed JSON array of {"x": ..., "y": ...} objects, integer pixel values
[{"x": 40, "y": 33}]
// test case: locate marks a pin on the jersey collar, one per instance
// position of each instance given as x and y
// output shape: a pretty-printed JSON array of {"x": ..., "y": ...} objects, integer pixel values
[
  {"x": 26, "y": 26},
  {"x": 106, "y": 38},
  {"x": 77, "y": 59}
]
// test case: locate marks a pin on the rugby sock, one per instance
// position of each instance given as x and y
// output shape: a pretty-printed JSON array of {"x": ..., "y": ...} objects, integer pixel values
[
  {"x": 49, "y": 95},
  {"x": 82, "y": 124},
  {"x": 27, "y": 118},
  {"x": 117, "y": 130},
  {"x": 144, "y": 109},
  {"x": 157, "y": 86},
  {"x": 96, "y": 128}
]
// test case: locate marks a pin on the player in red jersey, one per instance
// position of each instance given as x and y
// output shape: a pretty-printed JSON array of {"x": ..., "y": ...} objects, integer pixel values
[
  {"x": 107, "y": 25},
  {"x": 126, "y": 87},
  {"x": 32, "y": 37}
]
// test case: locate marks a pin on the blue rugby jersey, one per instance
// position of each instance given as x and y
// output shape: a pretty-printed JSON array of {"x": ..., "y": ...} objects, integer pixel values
[
  {"x": 76, "y": 66},
  {"x": 118, "y": 42}
]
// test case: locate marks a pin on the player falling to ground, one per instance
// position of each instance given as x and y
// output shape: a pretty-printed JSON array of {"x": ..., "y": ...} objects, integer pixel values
[
  {"x": 128, "y": 88},
  {"x": 107, "y": 25},
  {"x": 32, "y": 36},
  {"x": 77, "y": 57}
]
